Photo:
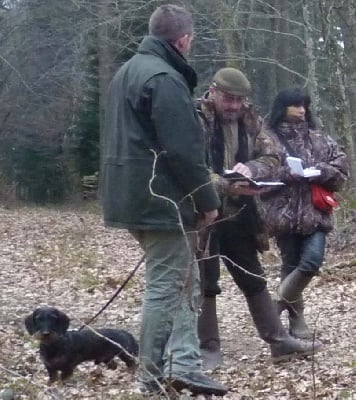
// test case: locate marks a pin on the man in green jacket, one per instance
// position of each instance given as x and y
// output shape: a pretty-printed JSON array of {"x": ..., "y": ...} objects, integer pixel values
[{"x": 156, "y": 184}]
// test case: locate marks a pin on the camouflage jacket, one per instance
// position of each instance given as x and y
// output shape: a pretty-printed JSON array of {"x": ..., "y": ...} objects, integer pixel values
[
  {"x": 262, "y": 158},
  {"x": 290, "y": 209}
]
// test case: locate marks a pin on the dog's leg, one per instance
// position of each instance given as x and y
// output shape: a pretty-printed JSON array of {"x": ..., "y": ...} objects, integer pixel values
[
  {"x": 111, "y": 364},
  {"x": 52, "y": 375},
  {"x": 108, "y": 361},
  {"x": 128, "y": 359},
  {"x": 67, "y": 372}
]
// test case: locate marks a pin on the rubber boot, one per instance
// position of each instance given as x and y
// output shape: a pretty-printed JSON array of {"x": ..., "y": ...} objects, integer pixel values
[
  {"x": 281, "y": 304},
  {"x": 297, "y": 325},
  {"x": 208, "y": 333},
  {"x": 283, "y": 346},
  {"x": 290, "y": 292}
]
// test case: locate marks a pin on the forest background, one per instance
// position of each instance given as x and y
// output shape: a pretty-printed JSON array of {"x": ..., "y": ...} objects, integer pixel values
[{"x": 57, "y": 58}]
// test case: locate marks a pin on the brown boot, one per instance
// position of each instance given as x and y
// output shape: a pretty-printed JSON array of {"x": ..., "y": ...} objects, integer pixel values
[
  {"x": 283, "y": 346},
  {"x": 208, "y": 333}
]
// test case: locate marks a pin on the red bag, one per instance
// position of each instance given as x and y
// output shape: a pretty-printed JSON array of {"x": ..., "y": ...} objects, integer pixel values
[{"x": 323, "y": 199}]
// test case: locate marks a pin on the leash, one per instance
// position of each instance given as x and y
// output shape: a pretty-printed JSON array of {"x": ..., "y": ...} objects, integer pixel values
[{"x": 132, "y": 273}]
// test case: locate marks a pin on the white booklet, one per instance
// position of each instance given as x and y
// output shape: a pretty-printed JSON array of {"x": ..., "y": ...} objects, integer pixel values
[
  {"x": 296, "y": 167},
  {"x": 245, "y": 181}
]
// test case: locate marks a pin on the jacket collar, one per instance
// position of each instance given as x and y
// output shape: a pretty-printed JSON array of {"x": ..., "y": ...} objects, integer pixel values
[
  {"x": 291, "y": 129},
  {"x": 160, "y": 48}
]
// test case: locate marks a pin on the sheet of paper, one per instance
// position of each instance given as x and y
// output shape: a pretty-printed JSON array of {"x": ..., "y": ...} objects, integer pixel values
[
  {"x": 267, "y": 183},
  {"x": 309, "y": 172},
  {"x": 296, "y": 166},
  {"x": 244, "y": 180}
]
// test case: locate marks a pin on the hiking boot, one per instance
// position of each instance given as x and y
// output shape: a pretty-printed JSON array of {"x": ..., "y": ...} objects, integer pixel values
[
  {"x": 198, "y": 383},
  {"x": 151, "y": 387}
]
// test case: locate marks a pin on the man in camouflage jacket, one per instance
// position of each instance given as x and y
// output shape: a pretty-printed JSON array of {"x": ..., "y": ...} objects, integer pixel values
[{"x": 235, "y": 141}]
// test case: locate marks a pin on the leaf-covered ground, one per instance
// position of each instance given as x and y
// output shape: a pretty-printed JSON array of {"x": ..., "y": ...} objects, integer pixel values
[{"x": 69, "y": 260}]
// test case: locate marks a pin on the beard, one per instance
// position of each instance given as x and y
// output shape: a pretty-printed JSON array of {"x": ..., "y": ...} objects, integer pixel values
[{"x": 230, "y": 115}]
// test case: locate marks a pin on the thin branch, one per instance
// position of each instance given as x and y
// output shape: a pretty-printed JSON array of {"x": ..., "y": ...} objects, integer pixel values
[
  {"x": 17, "y": 73},
  {"x": 262, "y": 30}
]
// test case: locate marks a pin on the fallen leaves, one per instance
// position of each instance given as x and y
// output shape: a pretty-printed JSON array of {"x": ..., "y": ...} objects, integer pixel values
[{"x": 68, "y": 259}]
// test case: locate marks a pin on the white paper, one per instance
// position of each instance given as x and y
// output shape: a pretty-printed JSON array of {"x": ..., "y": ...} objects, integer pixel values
[
  {"x": 309, "y": 172},
  {"x": 296, "y": 167},
  {"x": 256, "y": 183},
  {"x": 272, "y": 183}
]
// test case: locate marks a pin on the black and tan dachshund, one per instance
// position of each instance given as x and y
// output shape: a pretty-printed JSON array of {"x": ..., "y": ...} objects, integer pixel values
[{"x": 63, "y": 350}]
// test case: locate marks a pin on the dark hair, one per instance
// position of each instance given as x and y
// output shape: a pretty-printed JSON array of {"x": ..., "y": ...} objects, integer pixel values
[
  {"x": 286, "y": 98},
  {"x": 170, "y": 22}
]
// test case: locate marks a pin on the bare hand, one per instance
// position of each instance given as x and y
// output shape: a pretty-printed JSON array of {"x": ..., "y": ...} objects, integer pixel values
[
  {"x": 209, "y": 217},
  {"x": 242, "y": 169}
]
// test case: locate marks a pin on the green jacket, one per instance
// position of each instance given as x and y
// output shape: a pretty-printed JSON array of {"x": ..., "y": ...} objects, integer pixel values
[{"x": 153, "y": 151}]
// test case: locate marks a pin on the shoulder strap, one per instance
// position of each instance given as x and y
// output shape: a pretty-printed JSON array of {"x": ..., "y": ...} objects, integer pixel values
[
  {"x": 290, "y": 151},
  {"x": 285, "y": 143}
]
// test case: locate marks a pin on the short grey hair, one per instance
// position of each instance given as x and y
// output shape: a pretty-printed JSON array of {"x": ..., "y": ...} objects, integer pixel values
[{"x": 170, "y": 22}]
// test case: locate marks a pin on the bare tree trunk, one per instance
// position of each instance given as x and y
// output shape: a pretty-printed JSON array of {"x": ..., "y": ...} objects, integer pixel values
[
  {"x": 283, "y": 77},
  {"x": 311, "y": 59},
  {"x": 272, "y": 77},
  {"x": 106, "y": 57},
  {"x": 228, "y": 34},
  {"x": 348, "y": 26}
]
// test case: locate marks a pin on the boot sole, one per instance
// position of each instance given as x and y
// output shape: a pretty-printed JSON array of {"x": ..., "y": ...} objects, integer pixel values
[
  {"x": 294, "y": 356},
  {"x": 196, "y": 389}
]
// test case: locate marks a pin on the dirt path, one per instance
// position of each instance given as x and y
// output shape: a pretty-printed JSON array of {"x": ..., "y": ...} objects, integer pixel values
[{"x": 67, "y": 259}]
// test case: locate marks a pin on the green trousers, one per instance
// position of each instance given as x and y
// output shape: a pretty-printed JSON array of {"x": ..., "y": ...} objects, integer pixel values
[{"x": 169, "y": 344}]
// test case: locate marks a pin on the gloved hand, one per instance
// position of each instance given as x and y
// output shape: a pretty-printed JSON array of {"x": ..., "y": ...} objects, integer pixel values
[{"x": 285, "y": 175}]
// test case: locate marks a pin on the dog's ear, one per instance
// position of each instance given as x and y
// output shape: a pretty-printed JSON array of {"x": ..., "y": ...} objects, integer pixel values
[
  {"x": 63, "y": 322},
  {"x": 30, "y": 324}
]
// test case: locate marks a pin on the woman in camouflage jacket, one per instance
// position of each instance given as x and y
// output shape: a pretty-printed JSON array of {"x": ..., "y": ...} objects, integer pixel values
[{"x": 298, "y": 226}]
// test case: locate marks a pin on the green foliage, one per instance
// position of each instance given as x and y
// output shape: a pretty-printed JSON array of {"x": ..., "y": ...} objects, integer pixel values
[
  {"x": 87, "y": 128},
  {"x": 87, "y": 131},
  {"x": 348, "y": 202},
  {"x": 39, "y": 173}
]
